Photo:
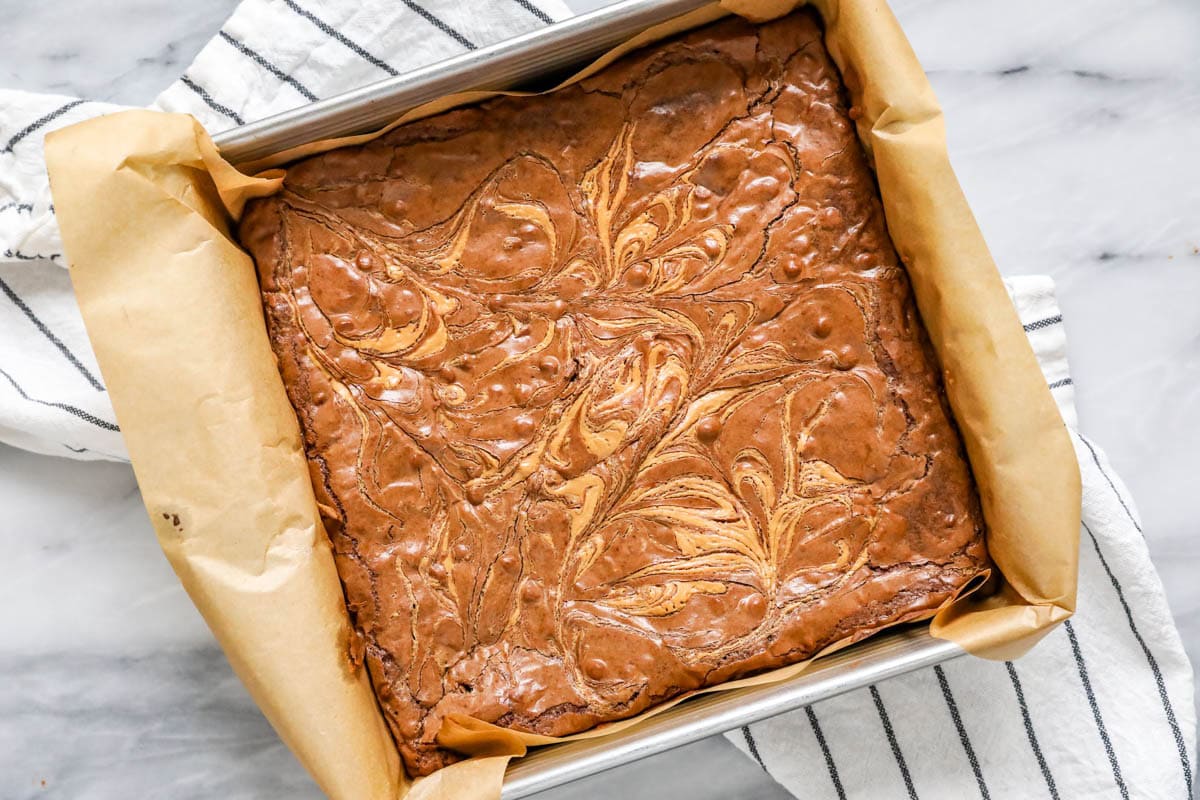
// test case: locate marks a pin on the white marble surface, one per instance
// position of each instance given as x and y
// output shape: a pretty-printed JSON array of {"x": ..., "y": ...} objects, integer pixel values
[{"x": 1073, "y": 126}]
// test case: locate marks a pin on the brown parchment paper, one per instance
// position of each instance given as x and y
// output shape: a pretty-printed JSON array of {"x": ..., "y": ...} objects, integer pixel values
[{"x": 173, "y": 310}]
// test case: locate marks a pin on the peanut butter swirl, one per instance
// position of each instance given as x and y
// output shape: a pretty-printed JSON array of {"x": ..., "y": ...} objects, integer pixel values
[{"x": 614, "y": 392}]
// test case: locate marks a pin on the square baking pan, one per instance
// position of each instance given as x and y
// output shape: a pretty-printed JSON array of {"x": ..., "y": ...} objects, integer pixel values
[{"x": 543, "y": 54}]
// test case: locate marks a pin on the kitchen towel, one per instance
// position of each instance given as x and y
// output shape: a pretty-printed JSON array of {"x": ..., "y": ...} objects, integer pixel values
[
  {"x": 271, "y": 55},
  {"x": 1101, "y": 708}
]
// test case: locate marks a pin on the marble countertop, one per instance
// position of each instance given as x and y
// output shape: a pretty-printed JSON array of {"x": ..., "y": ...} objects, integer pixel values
[{"x": 1072, "y": 127}]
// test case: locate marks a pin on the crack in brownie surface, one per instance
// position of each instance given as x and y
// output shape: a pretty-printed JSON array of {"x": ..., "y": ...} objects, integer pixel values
[{"x": 615, "y": 392}]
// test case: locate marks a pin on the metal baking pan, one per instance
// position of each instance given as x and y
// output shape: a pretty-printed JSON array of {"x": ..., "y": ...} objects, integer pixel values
[
  {"x": 505, "y": 65},
  {"x": 876, "y": 659}
]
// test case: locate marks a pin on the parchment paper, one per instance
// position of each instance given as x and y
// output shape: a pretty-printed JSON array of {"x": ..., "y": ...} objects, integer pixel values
[{"x": 173, "y": 311}]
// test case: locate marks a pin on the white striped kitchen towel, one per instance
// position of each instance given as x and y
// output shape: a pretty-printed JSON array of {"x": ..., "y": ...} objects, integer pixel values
[
  {"x": 271, "y": 55},
  {"x": 1102, "y": 708}
]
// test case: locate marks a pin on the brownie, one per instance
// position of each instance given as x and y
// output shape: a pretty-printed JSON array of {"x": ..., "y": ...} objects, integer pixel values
[{"x": 615, "y": 392}]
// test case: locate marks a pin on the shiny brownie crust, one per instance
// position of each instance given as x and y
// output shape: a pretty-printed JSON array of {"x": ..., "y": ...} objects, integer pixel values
[{"x": 615, "y": 392}]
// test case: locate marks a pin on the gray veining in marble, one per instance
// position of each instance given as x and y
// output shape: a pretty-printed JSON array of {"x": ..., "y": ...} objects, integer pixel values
[
  {"x": 1073, "y": 129},
  {"x": 119, "y": 51}
]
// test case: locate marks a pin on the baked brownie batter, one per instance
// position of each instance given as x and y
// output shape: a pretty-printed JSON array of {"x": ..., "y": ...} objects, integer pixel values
[{"x": 615, "y": 392}]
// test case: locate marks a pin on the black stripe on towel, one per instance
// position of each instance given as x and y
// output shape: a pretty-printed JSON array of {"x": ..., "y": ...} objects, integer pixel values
[
  {"x": 1029, "y": 732},
  {"x": 49, "y": 334},
  {"x": 440, "y": 25},
  {"x": 257, "y": 58},
  {"x": 335, "y": 34},
  {"x": 895, "y": 745},
  {"x": 37, "y": 123},
  {"x": 1061, "y": 382},
  {"x": 749, "y": 737},
  {"x": 963, "y": 737},
  {"x": 1168, "y": 709},
  {"x": 70, "y": 409},
  {"x": 26, "y": 208},
  {"x": 1111, "y": 485},
  {"x": 1091, "y": 697},
  {"x": 825, "y": 751},
  {"x": 19, "y": 256},
  {"x": 209, "y": 101},
  {"x": 537, "y": 12},
  {"x": 1037, "y": 325}
]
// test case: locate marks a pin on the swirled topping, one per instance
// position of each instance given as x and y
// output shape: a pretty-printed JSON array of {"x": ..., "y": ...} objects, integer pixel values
[{"x": 614, "y": 392}]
